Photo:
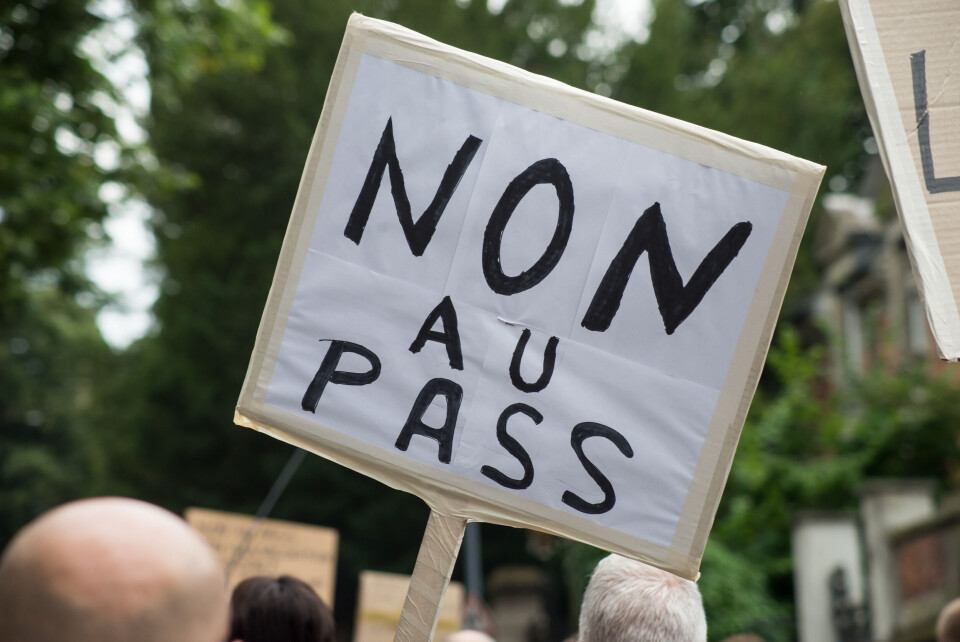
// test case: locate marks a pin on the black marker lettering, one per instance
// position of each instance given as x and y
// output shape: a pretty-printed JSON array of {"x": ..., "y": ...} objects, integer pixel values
[
  {"x": 450, "y": 337},
  {"x": 548, "y": 170},
  {"x": 419, "y": 233},
  {"x": 513, "y": 447},
  {"x": 675, "y": 300},
  {"x": 918, "y": 65},
  {"x": 580, "y": 433},
  {"x": 443, "y": 435},
  {"x": 328, "y": 373},
  {"x": 549, "y": 360}
]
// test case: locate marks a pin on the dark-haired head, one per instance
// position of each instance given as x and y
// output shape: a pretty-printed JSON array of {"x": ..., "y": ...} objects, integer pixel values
[{"x": 283, "y": 609}]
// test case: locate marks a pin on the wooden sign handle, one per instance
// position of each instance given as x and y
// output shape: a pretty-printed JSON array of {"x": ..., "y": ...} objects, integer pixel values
[{"x": 431, "y": 574}]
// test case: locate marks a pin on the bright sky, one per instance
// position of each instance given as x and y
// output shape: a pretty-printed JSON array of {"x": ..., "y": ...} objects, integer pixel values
[{"x": 121, "y": 267}]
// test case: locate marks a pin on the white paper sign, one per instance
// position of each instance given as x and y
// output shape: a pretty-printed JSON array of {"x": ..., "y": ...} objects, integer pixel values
[{"x": 524, "y": 303}]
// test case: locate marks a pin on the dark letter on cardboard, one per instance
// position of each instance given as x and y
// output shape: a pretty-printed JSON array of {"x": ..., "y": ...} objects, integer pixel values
[
  {"x": 548, "y": 170},
  {"x": 513, "y": 447},
  {"x": 580, "y": 433},
  {"x": 419, "y": 233},
  {"x": 442, "y": 435},
  {"x": 449, "y": 337},
  {"x": 675, "y": 300},
  {"x": 328, "y": 373}
]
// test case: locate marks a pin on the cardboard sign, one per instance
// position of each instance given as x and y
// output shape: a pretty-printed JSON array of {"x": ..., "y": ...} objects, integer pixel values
[
  {"x": 905, "y": 57},
  {"x": 526, "y": 304},
  {"x": 273, "y": 548},
  {"x": 380, "y": 601}
]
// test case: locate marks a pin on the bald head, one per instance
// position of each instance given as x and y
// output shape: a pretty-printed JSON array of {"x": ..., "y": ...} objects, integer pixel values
[{"x": 111, "y": 570}]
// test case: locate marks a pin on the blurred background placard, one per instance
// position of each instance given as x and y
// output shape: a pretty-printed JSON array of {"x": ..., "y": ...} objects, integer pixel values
[
  {"x": 380, "y": 601},
  {"x": 272, "y": 548}
]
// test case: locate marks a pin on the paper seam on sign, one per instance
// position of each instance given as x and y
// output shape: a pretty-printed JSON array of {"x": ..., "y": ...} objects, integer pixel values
[
  {"x": 485, "y": 145},
  {"x": 917, "y": 223},
  {"x": 586, "y": 276}
]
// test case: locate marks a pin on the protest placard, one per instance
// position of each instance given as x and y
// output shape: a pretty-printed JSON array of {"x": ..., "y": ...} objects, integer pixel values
[
  {"x": 904, "y": 54},
  {"x": 524, "y": 303},
  {"x": 270, "y": 547},
  {"x": 379, "y": 602}
]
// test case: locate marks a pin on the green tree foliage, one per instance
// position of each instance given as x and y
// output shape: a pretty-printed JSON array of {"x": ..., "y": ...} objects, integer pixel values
[
  {"x": 51, "y": 120},
  {"x": 50, "y": 359},
  {"x": 51, "y": 117},
  {"x": 805, "y": 448},
  {"x": 756, "y": 70}
]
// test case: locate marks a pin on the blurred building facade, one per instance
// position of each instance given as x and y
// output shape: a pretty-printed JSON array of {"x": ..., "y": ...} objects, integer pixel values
[
  {"x": 868, "y": 301},
  {"x": 882, "y": 573}
]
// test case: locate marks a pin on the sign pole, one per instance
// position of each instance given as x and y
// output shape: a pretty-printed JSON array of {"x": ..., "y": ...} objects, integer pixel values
[{"x": 431, "y": 574}]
